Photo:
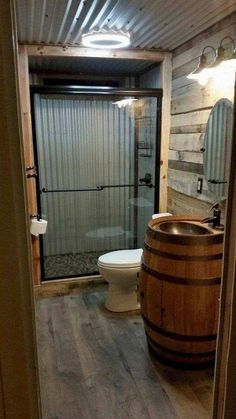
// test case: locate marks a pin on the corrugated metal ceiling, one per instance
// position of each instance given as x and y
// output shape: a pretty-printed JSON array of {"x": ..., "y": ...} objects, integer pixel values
[
  {"x": 163, "y": 24},
  {"x": 87, "y": 66}
]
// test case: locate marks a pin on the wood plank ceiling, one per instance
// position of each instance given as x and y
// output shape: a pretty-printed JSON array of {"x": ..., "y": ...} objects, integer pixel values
[{"x": 162, "y": 24}]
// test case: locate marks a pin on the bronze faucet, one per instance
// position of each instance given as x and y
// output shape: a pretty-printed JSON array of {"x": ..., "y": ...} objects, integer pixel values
[{"x": 216, "y": 218}]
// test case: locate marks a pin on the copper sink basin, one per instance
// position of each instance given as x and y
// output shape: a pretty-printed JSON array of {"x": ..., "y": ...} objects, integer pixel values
[{"x": 184, "y": 228}]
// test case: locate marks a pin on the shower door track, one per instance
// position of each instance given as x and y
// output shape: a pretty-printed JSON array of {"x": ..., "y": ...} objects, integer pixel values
[{"x": 97, "y": 91}]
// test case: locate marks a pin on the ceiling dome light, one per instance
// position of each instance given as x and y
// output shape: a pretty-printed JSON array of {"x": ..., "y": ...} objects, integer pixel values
[{"x": 106, "y": 40}]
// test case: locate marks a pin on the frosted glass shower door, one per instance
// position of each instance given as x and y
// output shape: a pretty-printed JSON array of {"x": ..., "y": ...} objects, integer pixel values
[{"x": 91, "y": 154}]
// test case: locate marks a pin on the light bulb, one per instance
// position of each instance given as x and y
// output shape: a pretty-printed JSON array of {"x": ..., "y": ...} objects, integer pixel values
[
  {"x": 229, "y": 64},
  {"x": 203, "y": 78}
]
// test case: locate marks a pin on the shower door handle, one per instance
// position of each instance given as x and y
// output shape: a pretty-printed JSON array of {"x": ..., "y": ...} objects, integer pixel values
[
  {"x": 147, "y": 179},
  {"x": 217, "y": 182}
]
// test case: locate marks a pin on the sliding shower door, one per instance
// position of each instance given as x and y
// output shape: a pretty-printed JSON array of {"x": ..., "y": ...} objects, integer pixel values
[{"x": 92, "y": 152}]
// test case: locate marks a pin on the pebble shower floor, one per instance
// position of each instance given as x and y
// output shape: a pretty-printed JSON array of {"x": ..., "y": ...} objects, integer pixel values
[{"x": 71, "y": 264}]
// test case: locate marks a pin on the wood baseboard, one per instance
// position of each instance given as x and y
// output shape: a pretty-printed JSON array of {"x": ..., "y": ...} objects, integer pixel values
[{"x": 62, "y": 287}]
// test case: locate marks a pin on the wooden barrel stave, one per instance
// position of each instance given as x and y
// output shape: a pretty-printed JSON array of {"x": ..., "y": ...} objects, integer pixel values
[
  {"x": 171, "y": 310},
  {"x": 204, "y": 268},
  {"x": 182, "y": 309},
  {"x": 187, "y": 355},
  {"x": 176, "y": 249}
]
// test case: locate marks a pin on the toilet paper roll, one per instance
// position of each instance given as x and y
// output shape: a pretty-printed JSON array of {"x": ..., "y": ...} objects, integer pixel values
[
  {"x": 38, "y": 226},
  {"x": 161, "y": 214}
]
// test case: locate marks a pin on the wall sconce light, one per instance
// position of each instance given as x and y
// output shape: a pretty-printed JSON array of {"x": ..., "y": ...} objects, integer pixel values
[
  {"x": 221, "y": 61},
  {"x": 200, "y": 73},
  {"x": 211, "y": 68},
  {"x": 229, "y": 61}
]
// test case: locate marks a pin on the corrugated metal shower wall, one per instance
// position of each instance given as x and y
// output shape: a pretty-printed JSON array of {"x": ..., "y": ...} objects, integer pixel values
[{"x": 84, "y": 143}]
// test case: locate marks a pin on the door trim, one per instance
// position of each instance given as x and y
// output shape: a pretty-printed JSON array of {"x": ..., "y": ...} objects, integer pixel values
[{"x": 224, "y": 403}]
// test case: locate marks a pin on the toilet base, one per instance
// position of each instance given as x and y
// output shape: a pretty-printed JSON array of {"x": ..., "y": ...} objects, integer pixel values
[{"x": 120, "y": 299}]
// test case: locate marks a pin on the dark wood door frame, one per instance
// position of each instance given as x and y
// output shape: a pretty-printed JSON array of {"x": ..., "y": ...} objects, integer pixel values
[
  {"x": 26, "y": 51},
  {"x": 19, "y": 397}
]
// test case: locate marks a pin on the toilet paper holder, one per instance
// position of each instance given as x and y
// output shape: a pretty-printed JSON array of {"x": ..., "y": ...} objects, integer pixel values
[
  {"x": 35, "y": 216},
  {"x": 37, "y": 225}
]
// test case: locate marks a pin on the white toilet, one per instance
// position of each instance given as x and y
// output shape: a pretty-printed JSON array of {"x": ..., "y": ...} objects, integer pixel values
[{"x": 120, "y": 269}]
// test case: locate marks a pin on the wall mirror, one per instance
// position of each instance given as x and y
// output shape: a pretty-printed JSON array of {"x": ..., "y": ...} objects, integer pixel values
[{"x": 217, "y": 148}]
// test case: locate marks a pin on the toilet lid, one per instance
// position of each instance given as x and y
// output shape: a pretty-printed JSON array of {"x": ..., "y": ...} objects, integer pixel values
[{"x": 121, "y": 258}]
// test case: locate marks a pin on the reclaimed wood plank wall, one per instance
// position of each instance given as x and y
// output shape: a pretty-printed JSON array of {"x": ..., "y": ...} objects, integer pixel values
[{"x": 191, "y": 105}]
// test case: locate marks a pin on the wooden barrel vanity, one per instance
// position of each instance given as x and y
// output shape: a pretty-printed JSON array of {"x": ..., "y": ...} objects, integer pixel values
[{"x": 179, "y": 289}]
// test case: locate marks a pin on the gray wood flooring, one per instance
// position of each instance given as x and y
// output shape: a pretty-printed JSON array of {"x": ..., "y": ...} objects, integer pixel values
[{"x": 95, "y": 365}]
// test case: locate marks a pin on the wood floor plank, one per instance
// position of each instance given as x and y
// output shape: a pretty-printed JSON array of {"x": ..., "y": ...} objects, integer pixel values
[
  {"x": 73, "y": 394},
  {"x": 156, "y": 399},
  {"x": 95, "y": 364},
  {"x": 140, "y": 368},
  {"x": 110, "y": 381},
  {"x": 47, "y": 364},
  {"x": 188, "y": 400}
]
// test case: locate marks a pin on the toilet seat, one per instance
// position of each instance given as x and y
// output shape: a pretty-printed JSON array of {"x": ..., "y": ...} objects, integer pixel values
[{"x": 130, "y": 258}]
